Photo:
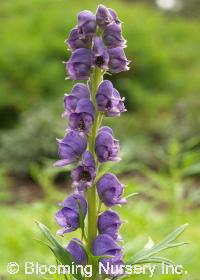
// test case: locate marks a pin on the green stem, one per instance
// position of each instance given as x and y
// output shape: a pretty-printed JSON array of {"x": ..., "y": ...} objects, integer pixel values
[{"x": 96, "y": 78}]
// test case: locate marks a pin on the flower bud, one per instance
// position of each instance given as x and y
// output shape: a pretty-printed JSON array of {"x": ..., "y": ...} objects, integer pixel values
[{"x": 106, "y": 16}]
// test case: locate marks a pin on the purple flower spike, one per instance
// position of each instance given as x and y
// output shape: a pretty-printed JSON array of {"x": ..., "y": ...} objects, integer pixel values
[
  {"x": 71, "y": 147},
  {"x": 71, "y": 100},
  {"x": 68, "y": 217},
  {"x": 106, "y": 147},
  {"x": 105, "y": 245},
  {"x": 86, "y": 23},
  {"x": 118, "y": 61},
  {"x": 110, "y": 190},
  {"x": 106, "y": 16},
  {"x": 79, "y": 64},
  {"x": 84, "y": 175},
  {"x": 77, "y": 251},
  {"x": 109, "y": 223},
  {"x": 83, "y": 116},
  {"x": 112, "y": 36},
  {"x": 76, "y": 41},
  {"x": 109, "y": 100},
  {"x": 101, "y": 57}
]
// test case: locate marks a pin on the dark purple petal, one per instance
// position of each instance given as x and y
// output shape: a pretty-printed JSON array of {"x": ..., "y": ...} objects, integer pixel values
[
  {"x": 109, "y": 100},
  {"x": 71, "y": 148},
  {"x": 103, "y": 16},
  {"x": 84, "y": 175},
  {"x": 79, "y": 64},
  {"x": 118, "y": 61},
  {"x": 76, "y": 40},
  {"x": 68, "y": 217},
  {"x": 106, "y": 147},
  {"x": 77, "y": 251},
  {"x": 86, "y": 23},
  {"x": 105, "y": 245},
  {"x": 100, "y": 53},
  {"x": 112, "y": 36},
  {"x": 80, "y": 122},
  {"x": 109, "y": 223},
  {"x": 114, "y": 16},
  {"x": 110, "y": 190}
]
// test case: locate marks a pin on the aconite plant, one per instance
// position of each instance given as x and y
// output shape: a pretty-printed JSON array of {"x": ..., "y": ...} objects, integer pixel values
[{"x": 97, "y": 47}]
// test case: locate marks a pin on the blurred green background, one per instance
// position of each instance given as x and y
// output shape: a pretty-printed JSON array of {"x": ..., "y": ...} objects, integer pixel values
[{"x": 159, "y": 134}]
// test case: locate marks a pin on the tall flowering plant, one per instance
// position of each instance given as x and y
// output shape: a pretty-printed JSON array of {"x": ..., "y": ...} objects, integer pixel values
[{"x": 97, "y": 47}]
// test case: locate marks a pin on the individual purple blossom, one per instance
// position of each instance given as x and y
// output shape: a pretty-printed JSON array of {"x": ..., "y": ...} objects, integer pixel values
[
  {"x": 109, "y": 100},
  {"x": 79, "y": 64},
  {"x": 104, "y": 245},
  {"x": 110, "y": 190},
  {"x": 71, "y": 147},
  {"x": 84, "y": 175},
  {"x": 76, "y": 41},
  {"x": 79, "y": 91},
  {"x": 105, "y": 16},
  {"x": 109, "y": 223},
  {"x": 83, "y": 116},
  {"x": 68, "y": 217},
  {"x": 86, "y": 23},
  {"x": 106, "y": 147},
  {"x": 118, "y": 61},
  {"x": 77, "y": 251},
  {"x": 100, "y": 54},
  {"x": 112, "y": 36}
]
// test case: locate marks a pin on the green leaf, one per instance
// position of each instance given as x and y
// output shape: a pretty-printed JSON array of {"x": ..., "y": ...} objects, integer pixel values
[
  {"x": 145, "y": 255},
  {"x": 62, "y": 255}
]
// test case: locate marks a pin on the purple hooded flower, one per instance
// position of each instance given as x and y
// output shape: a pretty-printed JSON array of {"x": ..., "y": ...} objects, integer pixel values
[
  {"x": 71, "y": 147},
  {"x": 109, "y": 223},
  {"x": 106, "y": 147},
  {"x": 118, "y": 61},
  {"x": 100, "y": 54},
  {"x": 84, "y": 175},
  {"x": 86, "y": 23},
  {"x": 83, "y": 116},
  {"x": 104, "y": 245},
  {"x": 68, "y": 217},
  {"x": 79, "y": 91},
  {"x": 110, "y": 190},
  {"x": 106, "y": 16},
  {"x": 109, "y": 100},
  {"x": 79, "y": 64},
  {"x": 77, "y": 251},
  {"x": 77, "y": 41},
  {"x": 112, "y": 36}
]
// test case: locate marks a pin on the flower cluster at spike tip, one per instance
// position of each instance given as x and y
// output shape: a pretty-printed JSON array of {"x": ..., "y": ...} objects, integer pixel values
[{"x": 97, "y": 46}]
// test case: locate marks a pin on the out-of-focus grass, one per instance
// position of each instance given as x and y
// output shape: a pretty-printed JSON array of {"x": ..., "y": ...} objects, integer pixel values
[{"x": 18, "y": 234}]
